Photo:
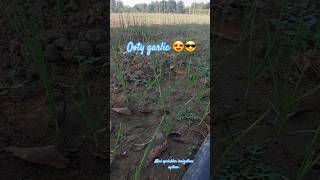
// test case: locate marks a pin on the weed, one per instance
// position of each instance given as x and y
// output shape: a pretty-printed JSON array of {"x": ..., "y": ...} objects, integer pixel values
[
  {"x": 149, "y": 85},
  {"x": 200, "y": 93},
  {"x": 28, "y": 31},
  {"x": 134, "y": 94},
  {"x": 168, "y": 124},
  {"x": 83, "y": 106},
  {"x": 92, "y": 123},
  {"x": 199, "y": 71},
  {"x": 186, "y": 114},
  {"x": 168, "y": 92},
  {"x": 310, "y": 157},
  {"x": 120, "y": 135},
  {"x": 257, "y": 71},
  {"x": 147, "y": 150},
  {"x": 247, "y": 165},
  {"x": 158, "y": 76},
  {"x": 120, "y": 74},
  {"x": 301, "y": 22},
  {"x": 203, "y": 69},
  {"x": 252, "y": 17},
  {"x": 236, "y": 141},
  {"x": 285, "y": 100},
  {"x": 189, "y": 66},
  {"x": 206, "y": 112},
  {"x": 134, "y": 28}
]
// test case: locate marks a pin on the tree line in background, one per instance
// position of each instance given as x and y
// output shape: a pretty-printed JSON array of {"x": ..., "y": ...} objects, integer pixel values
[{"x": 170, "y": 6}]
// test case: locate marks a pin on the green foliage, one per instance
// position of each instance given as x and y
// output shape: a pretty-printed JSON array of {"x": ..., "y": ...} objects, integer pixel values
[
  {"x": 317, "y": 37},
  {"x": 200, "y": 93},
  {"x": 137, "y": 172},
  {"x": 116, "y": 6},
  {"x": 168, "y": 125},
  {"x": 286, "y": 98},
  {"x": 168, "y": 92},
  {"x": 186, "y": 114},
  {"x": 134, "y": 29},
  {"x": 120, "y": 74},
  {"x": 120, "y": 138},
  {"x": 120, "y": 135},
  {"x": 235, "y": 142},
  {"x": 301, "y": 23},
  {"x": 311, "y": 156},
  {"x": 162, "y": 6},
  {"x": 251, "y": 15},
  {"x": 192, "y": 149},
  {"x": 28, "y": 29},
  {"x": 83, "y": 106},
  {"x": 247, "y": 165},
  {"x": 203, "y": 69},
  {"x": 197, "y": 72}
]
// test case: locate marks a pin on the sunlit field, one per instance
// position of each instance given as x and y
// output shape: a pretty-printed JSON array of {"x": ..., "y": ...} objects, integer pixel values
[{"x": 158, "y": 18}]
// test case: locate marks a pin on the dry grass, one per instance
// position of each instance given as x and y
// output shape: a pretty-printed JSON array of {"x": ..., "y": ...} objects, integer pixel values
[{"x": 158, "y": 18}]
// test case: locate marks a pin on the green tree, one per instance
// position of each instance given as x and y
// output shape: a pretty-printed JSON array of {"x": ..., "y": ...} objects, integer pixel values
[
  {"x": 113, "y": 5},
  {"x": 206, "y": 6},
  {"x": 142, "y": 7},
  {"x": 163, "y": 6},
  {"x": 158, "y": 7},
  {"x": 152, "y": 7},
  {"x": 117, "y": 6},
  {"x": 171, "y": 5},
  {"x": 197, "y": 7},
  {"x": 120, "y": 6},
  {"x": 180, "y": 7}
]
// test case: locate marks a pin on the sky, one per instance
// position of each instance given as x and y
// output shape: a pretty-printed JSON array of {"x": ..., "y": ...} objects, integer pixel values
[{"x": 186, "y": 2}]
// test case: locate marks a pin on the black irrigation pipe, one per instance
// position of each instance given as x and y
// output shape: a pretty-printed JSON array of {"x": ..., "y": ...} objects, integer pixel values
[{"x": 200, "y": 168}]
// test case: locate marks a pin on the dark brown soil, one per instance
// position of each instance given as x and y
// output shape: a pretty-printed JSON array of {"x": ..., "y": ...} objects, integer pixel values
[
  {"x": 25, "y": 119},
  {"x": 139, "y": 126},
  {"x": 234, "y": 112}
]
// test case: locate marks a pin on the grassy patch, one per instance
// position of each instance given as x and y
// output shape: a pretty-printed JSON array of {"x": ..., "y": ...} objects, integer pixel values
[{"x": 28, "y": 30}]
